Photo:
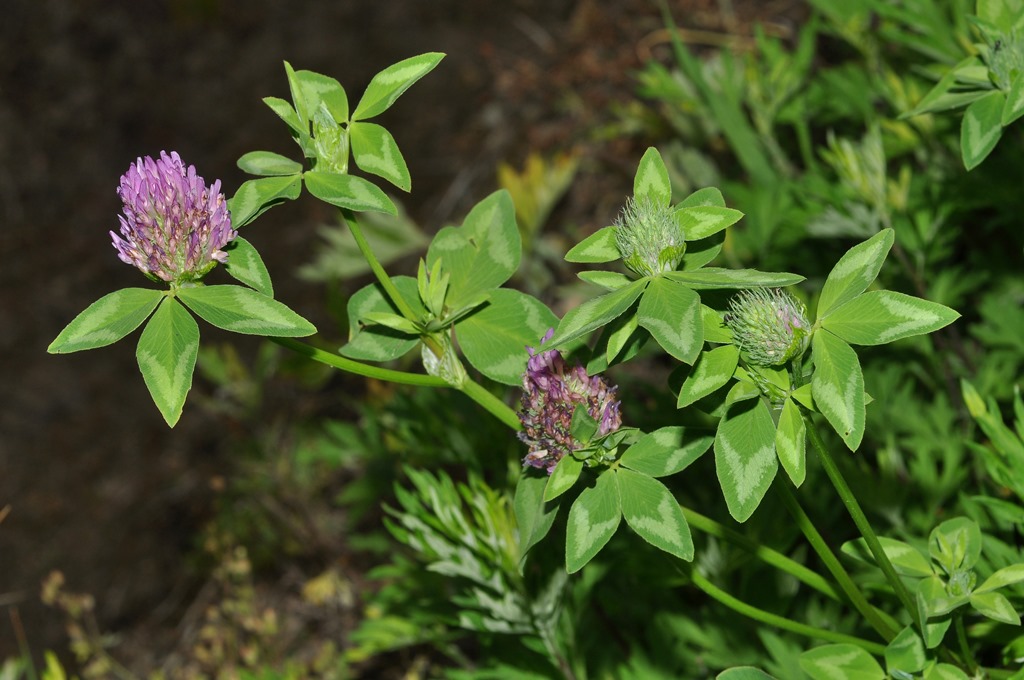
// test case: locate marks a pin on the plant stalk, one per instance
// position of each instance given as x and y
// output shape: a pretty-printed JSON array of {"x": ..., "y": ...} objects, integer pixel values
[
  {"x": 834, "y": 566},
  {"x": 861, "y": 520},
  {"x": 375, "y": 266},
  {"x": 775, "y": 620},
  {"x": 764, "y": 553}
]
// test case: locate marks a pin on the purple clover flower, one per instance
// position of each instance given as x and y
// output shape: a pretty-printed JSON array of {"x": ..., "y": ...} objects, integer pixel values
[
  {"x": 174, "y": 227},
  {"x": 552, "y": 391}
]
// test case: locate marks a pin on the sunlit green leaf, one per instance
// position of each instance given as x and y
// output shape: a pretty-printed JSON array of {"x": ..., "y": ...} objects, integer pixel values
[
  {"x": 389, "y": 84},
  {"x": 654, "y": 514},
  {"x": 745, "y": 456},
  {"x": 107, "y": 320},
  {"x": 838, "y": 387},
  {"x": 593, "y": 519},
  {"x": 167, "y": 353}
]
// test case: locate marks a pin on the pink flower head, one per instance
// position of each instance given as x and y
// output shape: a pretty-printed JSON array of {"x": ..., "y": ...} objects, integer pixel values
[
  {"x": 551, "y": 392},
  {"x": 174, "y": 227}
]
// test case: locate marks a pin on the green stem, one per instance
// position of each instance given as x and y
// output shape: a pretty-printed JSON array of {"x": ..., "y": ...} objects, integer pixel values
[
  {"x": 965, "y": 647},
  {"x": 471, "y": 389},
  {"x": 357, "y": 367},
  {"x": 778, "y": 621},
  {"x": 375, "y": 266},
  {"x": 496, "y": 407},
  {"x": 832, "y": 563},
  {"x": 861, "y": 520},
  {"x": 767, "y": 555}
]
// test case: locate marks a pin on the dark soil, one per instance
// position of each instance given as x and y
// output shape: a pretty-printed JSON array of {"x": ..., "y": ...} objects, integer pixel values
[{"x": 97, "y": 485}]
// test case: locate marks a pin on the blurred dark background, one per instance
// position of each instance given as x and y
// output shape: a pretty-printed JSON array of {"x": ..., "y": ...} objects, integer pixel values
[{"x": 97, "y": 485}]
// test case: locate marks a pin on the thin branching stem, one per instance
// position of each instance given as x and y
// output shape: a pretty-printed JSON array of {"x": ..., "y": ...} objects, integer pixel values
[
  {"x": 862, "y": 523},
  {"x": 874, "y": 617},
  {"x": 775, "y": 620}
]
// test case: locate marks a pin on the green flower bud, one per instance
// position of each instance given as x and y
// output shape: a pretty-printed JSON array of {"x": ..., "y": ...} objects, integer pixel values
[
  {"x": 649, "y": 238},
  {"x": 768, "y": 325}
]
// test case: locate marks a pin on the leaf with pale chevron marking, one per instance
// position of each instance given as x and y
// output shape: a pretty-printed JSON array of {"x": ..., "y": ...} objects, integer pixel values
[
  {"x": 981, "y": 128},
  {"x": 494, "y": 338},
  {"x": 671, "y": 312},
  {"x": 882, "y": 316},
  {"x": 666, "y": 451},
  {"x": 651, "y": 179},
  {"x": 745, "y": 457},
  {"x": 593, "y": 519},
  {"x": 167, "y": 354},
  {"x": 838, "y": 386},
  {"x": 654, "y": 514},
  {"x": 389, "y": 84},
  {"x": 854, "y": 271},
  {"x": 243, "y": 310},
  {"x": 711, "y": 372},
  {"x": 107, "y": 320}
]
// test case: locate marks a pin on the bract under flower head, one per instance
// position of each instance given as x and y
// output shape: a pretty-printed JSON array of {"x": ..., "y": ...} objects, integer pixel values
[
  {"x": 174, "y": 227},
  {"x": 551, "y": 392},
  {"x": 768, "y": 325}
]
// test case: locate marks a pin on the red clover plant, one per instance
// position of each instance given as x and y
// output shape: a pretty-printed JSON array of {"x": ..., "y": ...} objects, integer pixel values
[{"x": 760, "y": 366}]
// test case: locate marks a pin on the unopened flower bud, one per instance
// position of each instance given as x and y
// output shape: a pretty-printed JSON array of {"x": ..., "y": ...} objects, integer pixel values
[
  {"x": 551, "y": 393},
  {"x": 649, "y": 238},
  {"x": 768, "y": 325},
  {"x": 174, "y": 226}
]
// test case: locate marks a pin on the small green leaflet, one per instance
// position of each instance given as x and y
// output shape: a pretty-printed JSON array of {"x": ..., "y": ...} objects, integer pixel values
[
  {"x": 243, "y": 310},
  {"x": 483, "y": 253},
  {"x": 654, "y": 514},
  {"x": 945, "y": 671},
  {"x": 376, "y": 152},
  {"x": 845, "y": 661},
  {"x": 389, "y": 84},
  {"x": 981, "y": 128},
  {"x": 744, "y": 673},
  {"x": 838, "y": 386},
  {"x": 494, "y": 338},
  {"x": 257, "y": 196},
  {"x": 905, "y": 558},
  {"x": 791, "y": 442},
  {"x": 373, "y": 342},
  {"x": 882, "y": 316},
  {"x": 703, "y": 221},
  {"x": 593, "y": 519},
  {"x": 711, "y": 372},
  {"x": 651, "y": 180},
  {"x": 745, "y": 456},
  {"x": 313, "y": 88},
  {"x": 666, "y": 451},
  {"x": 596, "y": 312},
  {"x": 996, "y": 607},
  {"x": 348, "y": 191},
  {"x": 1014, "y": 107},
  {"x": 956, "y": 543},
  {"x": 565, "y": 474},
  {"x": 1004, "y": 577},
  {"x": 598, "y": 247},
  {"x": 107, "y": 320},
  {"x": 854, "y": 271},
  {"x": 906, "y": 652},
  {"x": 268, "y": 164},
  {"x": 167, "y": 354},
  {"x": 708, "y": 196},
  {"x": 286, "y": 112},
  {"x": 616, "y": 336},
  {"x": 532, "y": 520},
  {"x": 607, "y": 280},
  {"x": 671, "y": 312},
  {"x": 713, "y": 278},
  {"x": 245, "y": 264},
  {"x": 715, "y": 329}
]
